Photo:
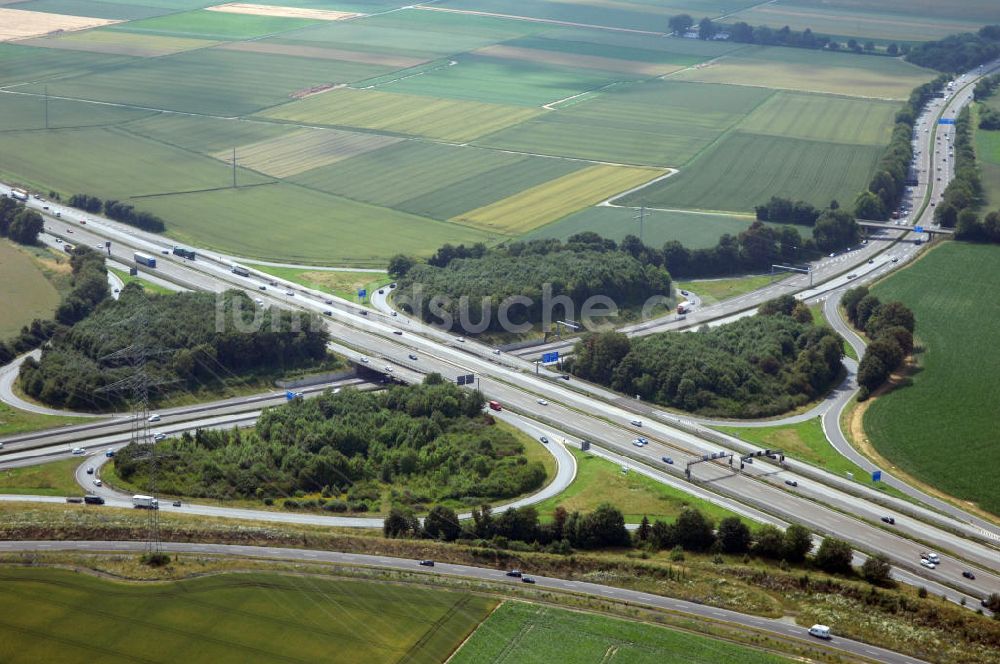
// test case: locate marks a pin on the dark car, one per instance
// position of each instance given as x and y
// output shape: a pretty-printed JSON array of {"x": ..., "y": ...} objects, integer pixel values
[
  {"x": 514, "y": 572},
  {"x": 890, "y": 520},
  {"x": 90, "y": 471},
  {"x": 427, "y": 563},
  {"x": 527, "y": 579},
  {"x": 327, "y": 301},
  {"x": 668, "y": 460},
  {"x": 327, "y": 312},
  {"x": 381, "y": 291},
  {"x": 969, "y": 575},
  {"x": 412, "y": 356},
  {"x": 399, "y": 332},
  {"x": 176, "y": 503},
  {"x": 791, "y": 483},
  {"x": 262, "y": 287}
]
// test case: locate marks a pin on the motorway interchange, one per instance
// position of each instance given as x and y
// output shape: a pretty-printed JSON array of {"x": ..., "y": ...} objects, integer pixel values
[{"x": 569, "y": 412}]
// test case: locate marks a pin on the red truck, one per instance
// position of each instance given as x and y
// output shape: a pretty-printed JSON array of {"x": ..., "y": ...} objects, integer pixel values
[{"x": 495, "y": 405}]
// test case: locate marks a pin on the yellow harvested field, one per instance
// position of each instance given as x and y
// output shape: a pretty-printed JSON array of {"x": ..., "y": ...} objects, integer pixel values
[
  {"x": 323, "y": 53},
  {"x": 305, "y": 150},
  {"x": 554, "y": 200},
  {"x": 20, "y": 24},
  {"x": 577, "y": 60},
  {"x": 444, "y": 119},
  {"x": 282, "y": 12},
  {"x": 121, "y": 43}
]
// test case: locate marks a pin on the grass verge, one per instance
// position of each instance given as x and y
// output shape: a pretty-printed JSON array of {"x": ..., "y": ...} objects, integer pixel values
[
  {"x": 342, "y": 284},
  {"x": 48, "y": 479},
  {"x": 14, "y": 421},
  {"x": 712, "y": 291}
]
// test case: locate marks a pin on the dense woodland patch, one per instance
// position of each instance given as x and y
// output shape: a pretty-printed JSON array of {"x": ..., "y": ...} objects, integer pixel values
[
  {"x": 754, "y": 367},
  {"x": 188, "y": 348},
  {"x": 430, "y": 441}
]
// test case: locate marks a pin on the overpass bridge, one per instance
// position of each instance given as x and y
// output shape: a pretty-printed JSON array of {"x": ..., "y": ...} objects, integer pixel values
[{"x": 930, "y": 230}]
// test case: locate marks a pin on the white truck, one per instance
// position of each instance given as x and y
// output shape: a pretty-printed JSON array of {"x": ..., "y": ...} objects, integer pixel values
[{"x": 145, "y": 503}]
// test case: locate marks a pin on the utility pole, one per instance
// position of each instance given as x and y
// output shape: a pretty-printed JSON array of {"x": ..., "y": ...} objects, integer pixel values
[
  {"x": 46, "y": 107},
  {"x": 234, "y": 167},
  {"x": 640, "y": 216},
  {"x": 138, "y": 383}
]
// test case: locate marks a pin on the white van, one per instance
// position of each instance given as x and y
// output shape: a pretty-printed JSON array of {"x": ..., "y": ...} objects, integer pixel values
[{"x": 820, "y": 631}]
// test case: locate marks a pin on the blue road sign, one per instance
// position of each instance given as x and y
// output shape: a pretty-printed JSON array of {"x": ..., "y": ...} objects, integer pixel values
[
  {"x": 919, "y": 229},
  {"x": 877, "y": 476},
  {"x": 550, "y": 357},
  {"x": 947, "y": 121},
  {"x": 362, "y": 293}
]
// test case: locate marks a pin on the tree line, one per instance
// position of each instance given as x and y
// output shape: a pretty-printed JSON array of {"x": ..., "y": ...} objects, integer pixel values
[
  {"x": 964, "y": 191},
  {"x": 190, "y": 349},
  {"x": 888, "y": 183},
  {"x": 889, "y": 326},
  {"x": 753, "y": 367},
  {"x": 968, "y": 226},
  {"x": 119, "y": 211},
  {"x": 603, "y": 528},
  {"x": 743, "y": 33},
  {"x": 18, "y": 223},
  {"x": 958, "y": 53},
  {"x": 414, "y": 446},
  {"x": 89, "y": 287},
  {"x": 469, "y": 285}
]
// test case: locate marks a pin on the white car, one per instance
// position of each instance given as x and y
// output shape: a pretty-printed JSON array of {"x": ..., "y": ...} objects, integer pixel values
[
  {"x": 460, "y": 340},
  {"x": 638, "y": 443},
  {"x": 79, "y": 450},
  {"x": 388, "y": 369},
  {"x": 154, "y": 418},
  {"x": 543, "y": 402},
  {"x": 159, "y": 436},
  {"x": 926, "y": 563},
  {"x": 364, "y": 360},
  {"x": 97, "y": 482}
]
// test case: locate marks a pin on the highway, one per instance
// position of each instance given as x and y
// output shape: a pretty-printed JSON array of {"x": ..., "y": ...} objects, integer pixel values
[
  {"x": 604, "y": 418},
  {"x": 589, "y": 411},
  {"x": 775, "y": 627}
]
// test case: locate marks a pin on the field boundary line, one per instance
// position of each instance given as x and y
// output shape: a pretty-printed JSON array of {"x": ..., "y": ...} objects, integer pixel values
[{"x": 549, "y": 21}]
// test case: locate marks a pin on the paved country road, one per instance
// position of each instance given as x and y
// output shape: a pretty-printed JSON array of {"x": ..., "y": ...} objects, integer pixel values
[{"x": 773, "y": 627}]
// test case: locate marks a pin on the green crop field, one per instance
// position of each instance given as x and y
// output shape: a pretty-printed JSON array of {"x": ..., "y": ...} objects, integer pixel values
[
  {"x": 891, "y": 20},
  {"x": 392, "y": 125},
  {"x": 942, "y": 426},
  {"x": 823, "y": 118},
  {"x": 693, "y": 229},
  {"x": 210, "y": 81},
  {"x": 812, "y": 71},
  {"x": 26, "y": 293},
  {"x": 206, "y": 135},
  {"x": 500, "y": 81},
  {"x": 49, "y": 615},
  {"x": 520, "y": 632},
  {"x": 555, "y": 199},
  {"x": 654, "y": 123},
  {"x": 438, "y": 181},
  {"x": 305, "y": 150},
  {"x": 214, "y": 25},
  {"x": 28, "y": 112},
  {"x": 649, "y": 16},
  {"x": 405, "y": 114},
  {"x": 746, "y": 169},
  {"x": 988, "y": 160},
  {"x": 129, "y": 165},
  {"x": 19, "y": 64},
  {"x": 121, "y": 43},
  {"x": 327, "y": 230},
  {"x": 112, "y": 9}
]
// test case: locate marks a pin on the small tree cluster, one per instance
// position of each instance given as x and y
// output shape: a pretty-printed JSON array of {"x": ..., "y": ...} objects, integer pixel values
[
  {"x": 119, "y": 211},
  {"x": 785, "y": 211},
  {"x": 889, "y": 325},
  {"x": 18, "y": 223}
]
